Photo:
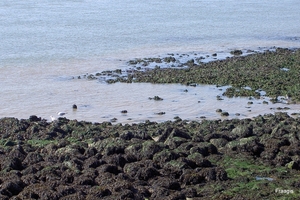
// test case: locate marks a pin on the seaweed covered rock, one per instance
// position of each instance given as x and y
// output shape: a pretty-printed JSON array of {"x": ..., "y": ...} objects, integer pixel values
[{"x": 148, "y": 160}]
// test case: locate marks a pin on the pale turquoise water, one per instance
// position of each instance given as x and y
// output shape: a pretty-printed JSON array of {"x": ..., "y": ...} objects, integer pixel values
[{"x": 45, "y": 42}]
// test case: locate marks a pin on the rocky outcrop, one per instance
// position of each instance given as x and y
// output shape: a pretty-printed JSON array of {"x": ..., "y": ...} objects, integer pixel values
[{"x": 69, "y": 159}]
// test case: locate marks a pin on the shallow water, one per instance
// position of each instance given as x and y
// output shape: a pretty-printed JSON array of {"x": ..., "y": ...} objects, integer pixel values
[{"x": 45, "y": 43}]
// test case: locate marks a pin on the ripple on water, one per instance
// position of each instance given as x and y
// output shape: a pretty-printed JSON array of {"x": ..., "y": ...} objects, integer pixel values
[{"x": 98, "y": 102}]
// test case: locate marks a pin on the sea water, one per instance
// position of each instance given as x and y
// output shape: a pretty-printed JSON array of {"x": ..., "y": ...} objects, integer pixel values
[{"x": 45, "y": 43}]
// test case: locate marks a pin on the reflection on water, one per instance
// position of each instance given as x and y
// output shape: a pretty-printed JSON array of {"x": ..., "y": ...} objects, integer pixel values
[
  {"x": 98, "y": 102},
  {"x": 44, "y": 43}
]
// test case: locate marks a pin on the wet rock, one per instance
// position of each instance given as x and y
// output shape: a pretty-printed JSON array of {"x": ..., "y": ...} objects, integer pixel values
[
  {"x": 249, "y": 145},
  {"x": 268, "y": 154},
  {"x": 108, "y": 161},
  {"x": 65, "y": 190},
  {"x": 164, "y": 156},
  {"x": 108, "y": 168},
  {"x": 160, "y": 113},
  {"x": 32, "y": 158},
  {"x": 192, "y": 178},
  {"x": 282, "y": 160},
  {"x": 128, "y": 135},
  {"x": 219, "y": 142},
  {"x": 114, "y": 119},
  {"x": 92, "y": 162},
  {"x": 12, "y": 164},
  {"x": 4, "y": 197},
  {"x": 12, "y": 187},
  {"x": 236, "y": 52},
  {"x": 159, "y": 193},
  {"x": 273, "y": 143},
  {"x": 199, "y": 160},
  {"x": 219, "y": 110},
  {"x": 174, "y": 142},
  {"x": 156, "y": 98},
  {"x": 224, "y": 114},
  {"x": 211, "y": 174},
  {"x": 111, "y": 146},
  {"x": 204, "y": 148},
  {"x": 30, "y": 179},
  {"x": 39, "y": 191},
  {"x": 292, "y": 165},
  {"x": 241, "y": 131},
  {"x": 77, "y": 196},
  {"x": 84, "y": 180},
  {"x": 90, "y": 152},
  {"x": 219, "y": 98},
  {"x": 142, "y": 170},
  {"x": 178, "y": 165},
  {"x": 169, "y": 59},
  {"x": 115, "y": 159},
  {"x": 98, "y": 192},
  {"x": 34, "y": 118},
  {"x": 165, "y": 182},
  {"x": 17, "y": 152}
]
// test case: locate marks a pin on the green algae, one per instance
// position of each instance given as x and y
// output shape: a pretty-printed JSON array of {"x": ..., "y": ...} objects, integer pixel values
[{"x": 275, "y": 72}]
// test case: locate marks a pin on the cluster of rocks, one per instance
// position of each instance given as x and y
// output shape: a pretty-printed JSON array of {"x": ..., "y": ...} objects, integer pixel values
[
  {"x": 175, "y": 61},
  {"x": 70, "y": 159}
]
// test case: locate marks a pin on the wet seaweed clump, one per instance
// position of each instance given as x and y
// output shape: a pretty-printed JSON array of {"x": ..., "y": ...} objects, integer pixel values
[{"x": 240, "y": 92}]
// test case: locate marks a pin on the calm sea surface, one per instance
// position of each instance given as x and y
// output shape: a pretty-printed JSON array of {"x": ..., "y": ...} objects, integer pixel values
[{"x": 44, "y": 43}]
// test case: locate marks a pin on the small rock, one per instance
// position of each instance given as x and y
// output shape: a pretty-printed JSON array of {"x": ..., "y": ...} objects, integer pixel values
[
  {"x": 156, "y": 98},
  {"x": 236, "y": 52},
  {"x": 265, "y": 102},
  {"x": 224, "y": 114},
  {"x": 219, "y": 98},
  {"x": 114, "y": 119},
  {"x": 160, "y": 113}
]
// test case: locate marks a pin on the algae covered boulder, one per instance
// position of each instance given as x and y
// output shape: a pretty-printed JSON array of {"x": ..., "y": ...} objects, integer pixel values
[{"x": 218, "y": 158}]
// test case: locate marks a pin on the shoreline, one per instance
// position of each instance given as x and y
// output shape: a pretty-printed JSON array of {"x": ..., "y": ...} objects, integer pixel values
[
  {"x": 250, "y": 158},
  {"x": 166, "y": 70},
  {"x": 98, "y": 101},
  {"x": 151, "y": 70}
]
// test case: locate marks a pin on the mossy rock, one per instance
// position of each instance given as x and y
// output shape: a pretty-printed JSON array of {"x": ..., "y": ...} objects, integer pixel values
[
  {"x": 110, "y": 146},
  {"x": 240, "y": 142},
  {"x": 176, "y": 165},
  {"x": 218, "y": 142},
  {"x": 241, "y": 131},
  {"x": 199, "y": 160},
  {"x": 165, "y": 155},
  {"x": 174, "y": 142},
  {"x": 204, "y": 148}
]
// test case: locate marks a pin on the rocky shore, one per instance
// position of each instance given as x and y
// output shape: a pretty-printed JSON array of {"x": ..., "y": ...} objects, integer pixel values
[
  {"x": 231, "y": 159},
  {"x": 275, "y": 71},
  {"x": 255, "y": 158}
]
